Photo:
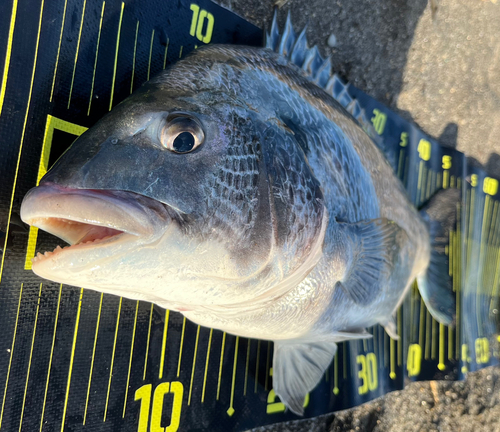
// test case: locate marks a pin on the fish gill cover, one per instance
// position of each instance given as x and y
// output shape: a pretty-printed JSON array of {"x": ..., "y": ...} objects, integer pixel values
[{"x": 74, "y": 359}]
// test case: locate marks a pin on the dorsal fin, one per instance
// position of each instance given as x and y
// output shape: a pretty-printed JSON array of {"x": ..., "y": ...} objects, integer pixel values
[{"x": 295, "y": 48}]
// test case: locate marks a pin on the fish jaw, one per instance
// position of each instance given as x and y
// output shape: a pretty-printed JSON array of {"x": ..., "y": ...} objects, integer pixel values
[{"x": 96, "y": 224}]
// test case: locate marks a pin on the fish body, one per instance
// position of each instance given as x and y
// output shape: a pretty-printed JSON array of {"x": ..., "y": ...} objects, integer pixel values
[{"x": 236, "y": 190}]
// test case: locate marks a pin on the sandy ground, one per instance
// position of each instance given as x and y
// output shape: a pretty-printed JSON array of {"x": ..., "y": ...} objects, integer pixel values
[{"x": 442, "y": 71}]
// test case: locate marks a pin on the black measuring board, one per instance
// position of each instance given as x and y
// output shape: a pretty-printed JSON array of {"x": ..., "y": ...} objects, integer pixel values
[{"x": 73, "y": 359}]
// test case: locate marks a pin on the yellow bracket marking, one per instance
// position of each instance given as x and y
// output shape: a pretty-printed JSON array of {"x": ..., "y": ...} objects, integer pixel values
[
  {"x": 113, "y": 358},
  {"x": 116, "y": 57},
  {"x": 230, "y": 411},
  {"x": 58, "y": 51},
  {"x": 206, "y": 366},
  {"x": 221, "y": 361},
  {"x": 76, "y": 54},
  {"x": 165, "y": 55},
  {"x": 133, "y": 61},
  {"x": 51, "y": 124},
  {"x": 147, "y": 343},
  {"x": 96, "y": 55},
  {"x": 22, "y": 141},
  {"x": 257, "y": 367},
  {"x": 11, "y": 354},
  {"x": 130, "y": 359},
  {"x": 180, "y": 348},
  {"x": 31, "y": 356},
  {"x": 75, "y": 335},
  {"x": 150, "y": 52},
  {"x": 246, "y": 368},
  {"x": 194, "y": 364},
  {"x": 51, "y": 355},
  {"x": 164, "y": 344},
  {"x": 8, "y": 54},
  {"x": 93, "y": 358}
]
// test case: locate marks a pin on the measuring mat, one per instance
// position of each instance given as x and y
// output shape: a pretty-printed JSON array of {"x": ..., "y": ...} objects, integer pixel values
[{"x": 74, "y": 359}]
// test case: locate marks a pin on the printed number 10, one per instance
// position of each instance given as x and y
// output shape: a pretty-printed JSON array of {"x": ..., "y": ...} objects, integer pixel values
[
  {"x": 144, "y": 395},
  {"x": 198, "y": 22}
]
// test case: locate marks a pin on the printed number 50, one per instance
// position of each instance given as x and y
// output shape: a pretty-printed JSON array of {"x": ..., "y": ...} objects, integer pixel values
[
  {"x": 198, "y": 22},
  {"x": 144, "y": 395}
]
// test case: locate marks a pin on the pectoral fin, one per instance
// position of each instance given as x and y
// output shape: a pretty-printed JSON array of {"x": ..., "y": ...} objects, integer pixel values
[
  {"x": 297, "y": 369},
  {"x": 372, "y": 247}
]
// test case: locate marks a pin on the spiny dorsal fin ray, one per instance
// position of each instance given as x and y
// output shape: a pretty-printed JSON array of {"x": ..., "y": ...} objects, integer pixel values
[{"x": 295, "y": 48}]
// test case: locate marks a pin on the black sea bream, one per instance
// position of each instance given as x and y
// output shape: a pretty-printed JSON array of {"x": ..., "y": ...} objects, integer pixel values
[{"x": 234, "y": 189}]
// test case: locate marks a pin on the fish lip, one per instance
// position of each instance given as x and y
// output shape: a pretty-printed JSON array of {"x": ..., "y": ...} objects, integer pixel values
[{"x": 101, "y": 216}]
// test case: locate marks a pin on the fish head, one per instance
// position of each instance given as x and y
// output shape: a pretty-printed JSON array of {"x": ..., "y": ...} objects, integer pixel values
[{"x": 174, "y": 197}]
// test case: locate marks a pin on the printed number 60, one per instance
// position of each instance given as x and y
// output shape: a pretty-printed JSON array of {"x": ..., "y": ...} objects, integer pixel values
[{"x": 198, "y": 22}]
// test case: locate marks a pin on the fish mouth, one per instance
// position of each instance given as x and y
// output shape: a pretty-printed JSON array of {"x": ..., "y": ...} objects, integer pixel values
[{"x": 87, "y": 219}]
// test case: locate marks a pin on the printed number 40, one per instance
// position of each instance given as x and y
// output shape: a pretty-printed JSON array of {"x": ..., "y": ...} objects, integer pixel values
[
  {"x": 198, "y": 22},
  {"x": 144, "y": 395}
]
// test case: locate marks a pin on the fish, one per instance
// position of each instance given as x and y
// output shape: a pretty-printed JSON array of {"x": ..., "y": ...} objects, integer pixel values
[{"x": 235, "y": 189}]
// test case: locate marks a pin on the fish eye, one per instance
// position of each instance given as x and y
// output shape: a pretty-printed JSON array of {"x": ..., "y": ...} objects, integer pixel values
[{"x": 182, "y": 134}]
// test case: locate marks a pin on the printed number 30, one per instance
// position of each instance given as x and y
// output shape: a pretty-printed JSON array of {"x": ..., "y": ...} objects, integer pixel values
[
  {"x": 198, "y": 22},
  {"x": 368, "y": 373}
]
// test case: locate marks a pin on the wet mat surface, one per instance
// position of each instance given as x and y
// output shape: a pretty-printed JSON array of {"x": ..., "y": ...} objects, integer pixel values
[{"x": 73, "y": 359}]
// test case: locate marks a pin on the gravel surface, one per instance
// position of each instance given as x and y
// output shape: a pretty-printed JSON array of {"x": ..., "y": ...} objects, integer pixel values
[{"x": 441, "y": 70}]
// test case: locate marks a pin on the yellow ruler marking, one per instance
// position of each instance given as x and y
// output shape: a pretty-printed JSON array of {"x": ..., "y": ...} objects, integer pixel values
[
  {"x": 400, "y": 163},
  {"x": 22, "y": 140},
  {"x": 11, "y": 354},
  {"x": 441, "y": 365},
  {"x": 72, "y": 358},
  {"x": 421, "y": 324},
  {"x": 428, "y": 335},
  {"x": 386, "y": 350},
  {"x": 230, "y": 411},
  {"x": 365, "y": 346},
  {"x": 133, "y": 58},
  {"x": 93, "y": 358},
  {"x": 165, "y": 55},
  {"x": 393, "y": 358},
  {"x": 419, "y": 181},
  {"x": 450, "y": 343},
  {"x": 220, "y": 364},
  {"x": 194, "y": 364},
  {"x": 116, "y": 57},
  {"x": 344, "y": 359},
  {"x": 130, "y": 358},
  {"x": 58, "y": 51},
  {"x": 267, "y": 364},
  {"x": 150, "y": 52},
  {"x": 336, "y": 373},
  {"x": 113, "y": 358},
  {"x": 8, "y": 54},
  {"x": 96, "y": 55},
  {"x": 182, "y": 345},
  {"x": 434, "y": 339},
  {"x": 76, "y": 54},
  {"x": 180, "y": 51},
  {"x": 246, "y": 368},
  {"x": 147, "y": 343},
  {"x": 257, "y": 367},
  {"x": 164, "y": 344},
  {"x": 51, "y": 355},
  {"x": 400, "y": 341},
  {"x": 206, "y": 366},
  {"x": 412, "y": 311},
  {"x": 30, "y": 358}
]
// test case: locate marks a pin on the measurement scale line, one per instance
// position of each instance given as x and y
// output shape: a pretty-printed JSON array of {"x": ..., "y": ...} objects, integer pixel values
[
  {"x": 133, "y": 58},
  {"x": 11, "y": 354},
  {"x": 76, "y": 54},
  {"x": 93, "y": 358},
  {"x": 30, "y": 358},
  {"x": 116, "y": 57},
  {"x": 246, "y": 368},
  {"x": 113, "y": 358},
  {"x": 8, "y": 53},
  {"x": 58, "y": 51},
  {"x": 72, "y": 358},
  {"x": 206, "y": 366},
  {"x": 147, "y": 343},
  {"x": 230, "y": 411},
  {"x": 96, "y": 56},
  {"x": 150, "y": 52},
  {"x": 51, "y": 355},
  {"x": 194, "y": 364},
  {"x": 130, "y": 359},
  {"x": 182, "y": 345},
  {"x": 220, "y": 364},
  {"x": 164, "y": 344}
]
